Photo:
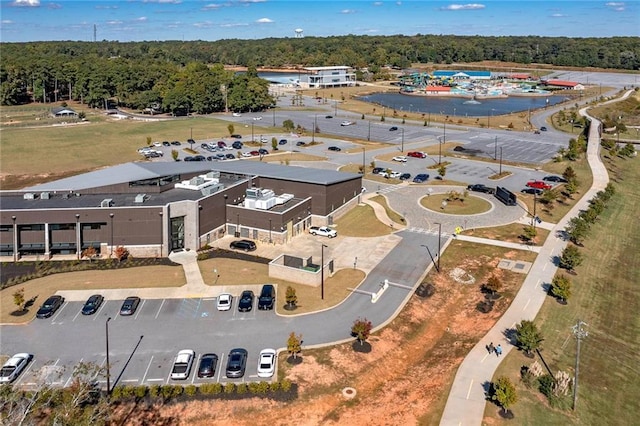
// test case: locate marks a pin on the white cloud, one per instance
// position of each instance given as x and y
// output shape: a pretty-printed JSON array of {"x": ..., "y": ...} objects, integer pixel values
[
  {"x": 347, "y": 11},
  {"x": 469, "y": 6},
  {"x": 106, "y": 7},
  {"x": 558, "y": 15},
  {"x": 212, "y": 6},
  {"x": 6, "y": 22},
  {"x": 264, "y": 21},
  {"x": 252, "y": 1},
  {"x": 54, "y": 6},
  {"x": 205, "y": 24},
  {"x": 618, "y": 6},
  {"x": 27, "y": 3},
  {"x": 115, "y": 22},
  {"x": 377, "y": 3},
  {"x": 141, "y": 19},
  {"x": 163, "y": 1},
  {"x": 233, "y": 25}
]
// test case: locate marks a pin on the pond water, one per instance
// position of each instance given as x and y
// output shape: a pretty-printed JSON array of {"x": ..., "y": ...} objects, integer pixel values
[{"x": 461, "y": 106}]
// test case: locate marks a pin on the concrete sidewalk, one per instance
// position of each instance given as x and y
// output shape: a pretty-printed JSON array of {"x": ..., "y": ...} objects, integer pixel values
[
  {"x": 466, "y": 402},
  {"x": 506, "y": 244}
]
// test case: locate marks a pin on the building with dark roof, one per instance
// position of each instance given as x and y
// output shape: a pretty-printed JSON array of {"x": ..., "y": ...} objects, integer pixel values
[{"x": 153, "y": 208}]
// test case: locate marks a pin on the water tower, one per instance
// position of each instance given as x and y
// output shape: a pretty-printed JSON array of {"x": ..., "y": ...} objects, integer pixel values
[{"x": 299, "y": 32}]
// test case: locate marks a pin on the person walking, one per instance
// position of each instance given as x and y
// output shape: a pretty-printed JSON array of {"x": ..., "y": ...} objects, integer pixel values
[
  {"x": 498, "y": 350},
  {"x": 491, "y": 348}
]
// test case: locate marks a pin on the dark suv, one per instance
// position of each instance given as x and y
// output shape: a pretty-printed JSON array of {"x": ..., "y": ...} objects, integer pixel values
[
  {"x": 237, "y": 363},
  {"x": 245, "y": 245},
  {"x": 267, "y": 297},
  {"x": 478, "y": 187}
]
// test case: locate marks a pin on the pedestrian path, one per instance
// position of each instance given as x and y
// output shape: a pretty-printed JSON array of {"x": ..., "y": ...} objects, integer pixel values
[
  {"x": 467, "y": 397},
  {"x": 498, "y": 243}
]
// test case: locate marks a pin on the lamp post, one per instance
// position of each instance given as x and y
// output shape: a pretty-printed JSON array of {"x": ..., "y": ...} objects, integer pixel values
[
  {"x": 252, "y": 139},
  {"x": 439, "y": 247},
  {"x": 402, "y": 143},
  {"x": 15, "y": 240},
  {"x": 335, "y": 110},
  {"x": 161, "y": 232},
  {"x": 495, "y": 149},
  {"x": 111, "y": 217},
  {"x": 106, "y": 333},
  {"x": 274, "y": 117},
  {"x": 315, "y": 124},
  {"x": 500, "y": 172},
  {"x": 369, "y": 134},
  {"x": 439, "y": 149},
  {"x": 364, "y": 170},
  {"x": 270, "y": 241},
  {"x": 489, "y": 119},
  {"x": 238, "y": 225},
  {"x": 78, "y": 242},
  {"x": 322, "y": 272}
]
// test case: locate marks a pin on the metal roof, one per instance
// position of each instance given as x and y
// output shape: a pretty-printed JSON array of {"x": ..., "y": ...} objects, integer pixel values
[{"x": 148, "y": 170}]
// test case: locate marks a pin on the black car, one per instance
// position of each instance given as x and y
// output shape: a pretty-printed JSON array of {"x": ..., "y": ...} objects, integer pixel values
[
  {"x": 189, "y": 158},
  {"x": 199, "y": 158},
  {"x": 282, "y": 142},
  {"x": 267, "y": 297},
  {"x": 377, "y": 170},
  {"x": 191, "y": 141},
  {"x": 478, "y": 187},
  {"x": 207, "y": 366},
  {"x": 334, "y": 148},
  {"x": 328, "y": 116},
  {"x": 176, "y": 143},
  {"x": 92, "y": 304},
  {"x": 129, "y": 306},
  {"x": 533, "y": 191},
  {"x": 166, "y": 143},
  {"x": 230, "y": 156},
  {"x": 236, "y": 136},
  {"x": 237, "y": 363},
  {"x": 237, "y": 145},
  {"x": 246, "y": 301},
  {"x": 300, "y": 143},
  {"x": 393, "y": 128},
  {"x": 543, "y": 129},
  {"x": 246, "y": 245},
  {"x": 263, "y": 151},
  {"x": 405, "y": 176},
  {"x": 552, "y": 178},
  {"x": 420, "y": 178},
  {"x": 50, "y": 306}
]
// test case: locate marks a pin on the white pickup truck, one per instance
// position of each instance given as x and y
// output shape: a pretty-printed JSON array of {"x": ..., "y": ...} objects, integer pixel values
[{"x": 323, "y": 231}]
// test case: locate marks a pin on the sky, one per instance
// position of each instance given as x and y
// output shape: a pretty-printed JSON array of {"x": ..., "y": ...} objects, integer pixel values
[{"x": 210, "y": 20}]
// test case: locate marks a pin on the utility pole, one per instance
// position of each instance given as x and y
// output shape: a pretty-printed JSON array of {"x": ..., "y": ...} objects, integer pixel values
[
  {"x": 500, "y": 172},
  {"x": 495, "y": 149},
  {"x": 580, "y": 334}
]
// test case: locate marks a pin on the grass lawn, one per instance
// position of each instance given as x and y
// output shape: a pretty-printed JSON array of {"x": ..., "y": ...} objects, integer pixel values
[
  {"x": 41, "y": 288},
  {"x": 510, "y": 233},
  {"x": 471, "y": 204},
  {"x": 361, "y": 221},
  {"x": 393, "y": 215},
  {"x": 606, "y": 296}
]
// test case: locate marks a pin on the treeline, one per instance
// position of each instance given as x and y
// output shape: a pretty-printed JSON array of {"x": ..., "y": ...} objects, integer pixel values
[{"x": 139, "y": 74}]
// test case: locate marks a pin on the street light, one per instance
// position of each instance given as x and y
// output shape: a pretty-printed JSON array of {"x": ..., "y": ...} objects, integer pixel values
[
  {"x": 252, "y": 139},
  {"x": 270, "y": 241},
  {"x": 78, "y": 242},
  {"x": 322, "y": 272},
  {"x": 15, "y": 240},
  {"x": 402, "y": 146},
  {"x": 440, "y": 149},
  {"x": 369, "y": 134},
  {"x": 364, "y": 169},
  {"x": 439, "y": 248},
  {"x": 161, "y": 233},
  {"x": 106, "y": 332},
  {"x": 111, "y": 216},
  {"x": 495, "y": 149},
  {"x": 500, "y": 172}
]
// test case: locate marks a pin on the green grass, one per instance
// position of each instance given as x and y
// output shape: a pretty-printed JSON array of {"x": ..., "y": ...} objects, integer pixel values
[
  {"x": 393, "y": 215},
  {"x": 361, "y": 221},
  {"x": 510, "y": 232},
  {"x": 606, "y": 296},
  {"x": 471, "y": 204}
]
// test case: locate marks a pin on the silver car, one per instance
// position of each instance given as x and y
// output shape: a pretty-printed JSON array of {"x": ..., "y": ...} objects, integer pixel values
[{"x": 14, "y": 366}]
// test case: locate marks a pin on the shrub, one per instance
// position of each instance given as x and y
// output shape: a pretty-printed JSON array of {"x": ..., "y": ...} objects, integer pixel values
[
  {"x": 285, "y": 385},
  {"x": 203, "y": 256},
  {"x": 229, "y": 388},
  {"x": 545, "y": 385},
  {"x": 166, "y": 391},
  {"x": 140, "y": 391},
  {"x": 274, "y": 387},
  {"x": 116, "y": 393},
  {"x": 241, "y": 388},
  {"x": 191, "y": 390},
  {"x": 177, "y": 390},
  {"x": 216, "y": 388},
  {"x": 262, "y": 387},
  {"x": 154, "y": 391}
]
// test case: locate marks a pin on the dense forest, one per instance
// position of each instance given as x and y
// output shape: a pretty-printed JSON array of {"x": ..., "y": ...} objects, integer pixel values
[{"x": 189, "y": 76}]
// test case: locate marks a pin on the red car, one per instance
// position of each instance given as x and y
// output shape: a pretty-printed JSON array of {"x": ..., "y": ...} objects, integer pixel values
[
  {"x": 416, "y": 154},
  {"x": 254, "y": 153},
  {"x": 538, "y": 184}
]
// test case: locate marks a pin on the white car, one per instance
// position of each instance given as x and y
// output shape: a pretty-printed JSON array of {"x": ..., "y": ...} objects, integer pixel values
[
  {"x": 157, "y": 144},
  {"x": 224, "y": 302},
  {"x": 14, "y": 366},
  {"x": 400, "y": 159},
  {"x": 266, "y": 363},
  {"x": 264, "y": 140},
  {"x": 395, "y": 175},
  {"x": 257, "y": 118},
  {"x": 237, "y": 114},
  {"x": 182, "y": 364},
  {"x": 246, "y": 154},
  {"x": 347, "y": 123}
]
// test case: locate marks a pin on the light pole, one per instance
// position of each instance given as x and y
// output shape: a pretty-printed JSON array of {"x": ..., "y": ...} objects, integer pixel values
[
  {"x": 315, "y": 124},
  {"x": 402, "y": 146},
  {"x": 369, "y": 134},
  {"x": 439, "y": 149},
  {"x": 78, "y": 242},
  {"x": 161, "y": 232},
  {"x": 335, "y": 110},
  {"x": 364, "y": 169},
  {"x": 439, "y": 247},
  {"x": 322, "y": 272},
  {"x": 15, "y": 240},
  {"x": 252, "y": 139},
  {"x": 500, "y": 172},
  {"x": 111, "y": 217},
  {"x": 495, "y": 149},
  {"x": 274, "y": 117},
  {"x": 270, "y": 241},
  {"x": 106, "y": 333}
]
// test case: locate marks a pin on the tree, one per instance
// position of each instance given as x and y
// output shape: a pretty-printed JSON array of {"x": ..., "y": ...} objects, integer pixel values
[
  {"x": 493, "y": 284},
  {"x": 571, "y": 187},
  {"x": 90, "y": 252},
  {"x": 361, "y": 329},
  {"x": 528, "y": 337},
  {"x": 274, "y": 143},
  {"x": 442, "y": 170},
  {"x": 577, "y": 229},
  {"x": 549, "y": 196},
  {"x": 561, "y": 287},
  {"x": 569, "y": 173},
  {"x": 570, "y": 258},
  {"x": 294, "y": 344},
  {"x": 290, "y": 296},
  {"x": 529, "y": 233},
  {"x": 231, "y": 129},
  {"x": 121, "y": 253},
  {"x": 175, "y": 154},
  {"x": 504, "y": 392},
  {"x": 18, "y": 299},
  {"x": 288, "y": 125}
]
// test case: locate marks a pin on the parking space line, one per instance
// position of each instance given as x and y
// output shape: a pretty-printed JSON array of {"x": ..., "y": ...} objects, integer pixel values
[
  {"x": 130, "y": 380},
  {"x": 139, "y": 309},
  {"x": 26, "y": 371},
  {"x": 147, "y": 370},
  {"x": 99, "y": 309},
  {"x": 155, "y": 380},
  {"x": 195, "y": 370},
  {"x": 53, "y": 320},
  {"x": 74, "y": 318},
  {"x": 220, "y": 363},
  {"x": 160, "y": 308},
  {"x": 71, "y": 377}
]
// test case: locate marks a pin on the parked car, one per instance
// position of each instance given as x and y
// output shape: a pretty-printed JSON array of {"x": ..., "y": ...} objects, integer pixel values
[
  {"x": 533, "y": 191},
  {"x": 176, "y": 143},
  {"x": 188, "y": 158},
  {"x": 554, "y": 178},
  {"x": 245, "y": 304},
  {"x": 246, "y": 245},
  {"x": 237, "y": 114},
  {"x": 328, "y": 116},
  {"x": 264, "y": 140},
  {"x": 377, "y": 170},
  {"x": 347, "y": 123},
  {"x": 129, "y": 306},
  {"x": 222, "y": 144},
  {"x": 478, "y": 187},
  {"x": 421, "y": 178},
  {"x": 263, "y": 151},
  {"x": 405, "y": 176},
  {"x": 267, "y": 363},
  {"x": 207, "y": 366},
  {"x": 393, "y": 128},
  {"x": 14, "y": 366},
  {"x": 257, "y": 118},
  {"x": 230, "y": 156},
  {"x": 300, "y": 143},
  {"x": 282, "y": 142},
  {"x": 395, "y": 175},
  {"x": 182, "y": 364},
  {"x": 236, "y": 363},
  {"x": 92, "y": 304},
  {"x": 237, "y": 145},
  {"x": 267, "y": 297},
  {"x": 199, "y": 158},
  {"x": 224, "y": 302},
  {"x": 416, "y": 154},
  {"x": 50, "y": 306},
  {"x": 400, "y": 158},
  {"x": 334, "y": 148},
  {"x": 538, "y": 184},
  {"x": 191, "y": 141},
  {"x": 166, "y": 143},
  {"x": 247, "y": 154},
  {"x": 323, "y": 231},
  {"x": 543, "y": 129}
]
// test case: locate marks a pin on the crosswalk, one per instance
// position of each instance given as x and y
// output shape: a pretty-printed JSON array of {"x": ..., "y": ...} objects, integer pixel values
[{"x": 425, "y": 231}]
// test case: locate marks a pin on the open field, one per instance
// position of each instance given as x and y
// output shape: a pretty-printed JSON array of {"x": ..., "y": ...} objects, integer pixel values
[
  {"x": 510, "y": 233},
  {"x": 606, "y": 296},
  {"x": 41, "y": 288},
  {"x": 470, "y": 205}
]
